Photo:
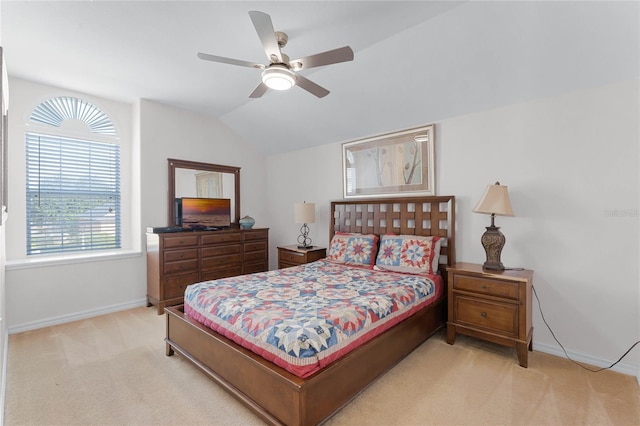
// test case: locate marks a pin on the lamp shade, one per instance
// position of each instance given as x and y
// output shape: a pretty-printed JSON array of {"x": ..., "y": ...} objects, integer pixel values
[
  {"x": 495, "y": 200},
  {"x": 304, "y": 213}
]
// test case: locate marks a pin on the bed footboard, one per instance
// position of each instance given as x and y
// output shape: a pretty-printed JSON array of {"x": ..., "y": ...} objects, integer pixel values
[{"x": 280, "y": 397}]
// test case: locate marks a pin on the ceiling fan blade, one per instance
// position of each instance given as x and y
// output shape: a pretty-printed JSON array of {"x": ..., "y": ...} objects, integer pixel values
[
  {"x": 311, "y": 87},
  {"x": 231, "y": 61},
  {"x": 259, "y": 91},
  {"x": 266, "y": 33},
  {"x": 341, "y": 54}
]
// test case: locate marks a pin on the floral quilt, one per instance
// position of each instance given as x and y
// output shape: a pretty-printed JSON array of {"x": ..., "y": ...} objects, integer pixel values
[{"x": 305, "y": 317}]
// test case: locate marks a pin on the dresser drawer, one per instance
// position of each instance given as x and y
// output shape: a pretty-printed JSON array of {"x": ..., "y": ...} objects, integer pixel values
[
  {"x": 498, "y": 317},
  {"x": 176, "y": 285},
  {"x": 251, "y": 268},
  {"x": 181, "y": 267},
  {"x": 221, "y": 262},
  {"x": 222, "y": 273},
  {"x": 256, "y": 246},
  {"x": 486, "y": 286},
  {"x": 259, "y": 234},
  {"x": 180, "y": 241},
  {"x": 255, "y": 256},
  {"x": 176, "y": 255},
  {"x": 294, "y": 257},
  {"x": 230, "y": 237},
  {"x": 221, "y": 250}
]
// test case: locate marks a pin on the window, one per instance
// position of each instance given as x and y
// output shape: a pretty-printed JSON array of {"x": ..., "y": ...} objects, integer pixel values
[{"x": 73, "y": 184}]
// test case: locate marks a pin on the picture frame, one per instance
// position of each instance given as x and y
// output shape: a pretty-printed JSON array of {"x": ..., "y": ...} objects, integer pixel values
[{"x": 394, "y": 164}]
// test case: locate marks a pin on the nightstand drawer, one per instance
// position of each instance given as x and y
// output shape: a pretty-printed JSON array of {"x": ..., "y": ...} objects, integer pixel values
[
  {"x": 485, "y": 286},
  {"x": 499, "y": 317},
  {"x": 292, "y": 257},
  {"x": 289, "y": 256}
]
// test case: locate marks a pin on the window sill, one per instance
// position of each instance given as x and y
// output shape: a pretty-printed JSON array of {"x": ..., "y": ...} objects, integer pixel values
[{"x": 69, "y": 259}]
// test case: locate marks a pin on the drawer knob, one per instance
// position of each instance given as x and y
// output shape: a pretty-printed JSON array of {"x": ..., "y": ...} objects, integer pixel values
[
  {"x": 483, "y": 315},
  {"x": 483, "y": 286}
]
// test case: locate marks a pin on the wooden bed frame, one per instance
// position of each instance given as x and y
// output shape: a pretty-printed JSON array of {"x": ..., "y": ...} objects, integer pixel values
[{"x": 280, "y": 397}]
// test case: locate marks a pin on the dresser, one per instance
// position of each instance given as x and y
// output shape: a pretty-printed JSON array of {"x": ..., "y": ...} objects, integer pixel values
[
  {"x": 175, "y": 260},
  {"x": 491, "y": 305},
  {"x": 289, "y": 256}
]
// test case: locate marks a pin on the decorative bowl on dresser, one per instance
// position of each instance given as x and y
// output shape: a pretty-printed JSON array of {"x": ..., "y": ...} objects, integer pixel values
[
  {"x": 491, "y": 305},
  {"x": 293, "y": 255},
  {"x": 177, "y": 259}
]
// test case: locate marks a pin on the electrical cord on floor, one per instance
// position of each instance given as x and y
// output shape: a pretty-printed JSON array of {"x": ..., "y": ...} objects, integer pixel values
[{"x": 565, "y": 352}]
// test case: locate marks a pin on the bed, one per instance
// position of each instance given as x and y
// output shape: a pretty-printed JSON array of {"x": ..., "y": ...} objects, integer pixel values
[{"x": 282, "y": 396}]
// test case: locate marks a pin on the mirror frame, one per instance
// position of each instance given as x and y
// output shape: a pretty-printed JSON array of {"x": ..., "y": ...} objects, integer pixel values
[{"x": 194, "y": 165}]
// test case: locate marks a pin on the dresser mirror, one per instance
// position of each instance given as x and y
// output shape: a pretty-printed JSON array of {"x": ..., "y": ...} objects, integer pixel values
[{"x": 203, "y": 180}]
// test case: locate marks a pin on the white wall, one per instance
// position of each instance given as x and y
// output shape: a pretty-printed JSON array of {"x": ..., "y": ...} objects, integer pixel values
[
  {"x": 571, "y": 163},
  {"x": 169, "y": 132}
]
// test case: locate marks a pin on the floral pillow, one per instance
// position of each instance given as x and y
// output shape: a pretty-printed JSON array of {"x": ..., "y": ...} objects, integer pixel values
[
  {"x": 411, "y": 254},
  {"x": 353, "y": 249}
]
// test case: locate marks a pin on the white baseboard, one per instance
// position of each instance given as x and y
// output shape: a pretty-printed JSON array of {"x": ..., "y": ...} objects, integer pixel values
[
  {"x": 76, "y": 316},
  {"x": 621, "y": 367}
]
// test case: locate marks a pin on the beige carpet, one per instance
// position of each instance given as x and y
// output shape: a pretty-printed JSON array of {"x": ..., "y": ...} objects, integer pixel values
[{"x": 112, "y": 370}]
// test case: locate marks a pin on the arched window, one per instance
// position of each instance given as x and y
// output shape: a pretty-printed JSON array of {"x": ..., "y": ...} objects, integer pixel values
[
  {"x": 56, "y": 110},
  {"x": 73, "y": 183}
]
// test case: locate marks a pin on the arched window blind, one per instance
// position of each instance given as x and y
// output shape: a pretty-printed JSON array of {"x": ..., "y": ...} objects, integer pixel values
[
  {"x": 54, "y": 111},
  {"x": 73, "y": 193}
]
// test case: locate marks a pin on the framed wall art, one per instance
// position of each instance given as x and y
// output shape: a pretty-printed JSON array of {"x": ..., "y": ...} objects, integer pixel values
[{"x": 394, "y": 164}]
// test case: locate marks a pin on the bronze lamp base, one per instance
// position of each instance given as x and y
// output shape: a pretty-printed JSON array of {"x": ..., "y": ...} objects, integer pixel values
[{"x": 493, "y": 240}]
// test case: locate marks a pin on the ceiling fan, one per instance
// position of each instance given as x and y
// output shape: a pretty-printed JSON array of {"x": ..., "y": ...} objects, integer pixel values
[{"x": 281, "y": 72}]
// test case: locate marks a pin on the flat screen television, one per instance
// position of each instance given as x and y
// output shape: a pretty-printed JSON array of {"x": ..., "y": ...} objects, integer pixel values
[{"x": 203, "y": 212}]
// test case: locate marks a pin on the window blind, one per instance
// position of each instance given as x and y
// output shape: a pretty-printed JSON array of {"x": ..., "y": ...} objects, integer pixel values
[{"x": 73, "y": 194}]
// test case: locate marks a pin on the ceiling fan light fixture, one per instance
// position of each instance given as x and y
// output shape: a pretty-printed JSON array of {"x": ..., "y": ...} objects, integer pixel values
[{"x": 278, "y": 77}]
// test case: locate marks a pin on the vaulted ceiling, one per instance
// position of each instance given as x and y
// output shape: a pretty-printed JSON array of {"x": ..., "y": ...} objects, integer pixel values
[{"x": 416, "y": 62}]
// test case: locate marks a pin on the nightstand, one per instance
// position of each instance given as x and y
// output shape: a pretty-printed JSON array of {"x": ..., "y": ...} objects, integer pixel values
[
  {"x": 289, "y": 256},
  {"x": 491, "y": 305}
]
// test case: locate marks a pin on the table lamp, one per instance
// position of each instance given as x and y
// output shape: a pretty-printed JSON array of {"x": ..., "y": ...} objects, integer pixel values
[
  {"x": 494, "y": 201},
  {"x": 304, "y": 213}
]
